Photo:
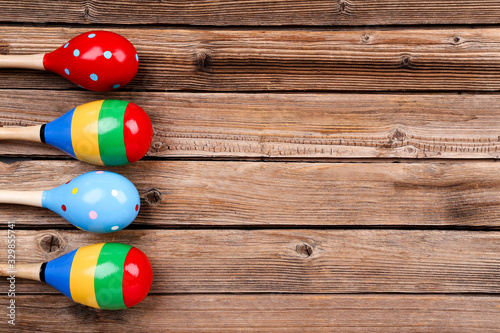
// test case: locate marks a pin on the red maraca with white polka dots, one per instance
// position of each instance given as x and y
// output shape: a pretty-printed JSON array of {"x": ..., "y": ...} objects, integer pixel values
[{"x": 95, "y": 60}]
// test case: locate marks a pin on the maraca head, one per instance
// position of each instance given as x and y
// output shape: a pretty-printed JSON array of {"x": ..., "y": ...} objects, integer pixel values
[
  {"x": 96, "y": 201},
  {"x": 106, "y": 276},
  {"x": 95, "y": 60},
  {"x": 106, "y": 132}
]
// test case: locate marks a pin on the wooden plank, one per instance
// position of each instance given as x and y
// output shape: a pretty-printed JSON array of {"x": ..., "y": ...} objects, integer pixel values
[
  {"x": 254, "y": 12},
  {"x": 288, "y": 126},
  {"x": 285, "y": 60},
  {"x": 291, "y": 261},
  {"x": 191, "y": 193},
  {"x": 285, "y": 313}
]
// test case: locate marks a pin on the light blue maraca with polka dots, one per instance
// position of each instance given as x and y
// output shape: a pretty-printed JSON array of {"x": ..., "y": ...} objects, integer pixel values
[{"x": 97, "y": 201}]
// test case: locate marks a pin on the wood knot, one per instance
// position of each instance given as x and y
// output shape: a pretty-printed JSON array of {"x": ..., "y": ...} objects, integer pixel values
[
  {"x": 203, "y": 61},
  {"x": 399, "y": 134},
  {"x": 305, "y": 250},
  {"x": 365, "y": 38},
  {"x": 4, "y": 48},
  {"x": 405, "y": 61},
  {"x": 157, "y": 145},
  {"x": 153, "y": 197},
  {"x": 86, "y": 13},
  {"x": 410, "y": 150},
  {"x": 50, "y": 243},
  {"x": 457, "y": 40},
  {"x": 343, "y": 6}
]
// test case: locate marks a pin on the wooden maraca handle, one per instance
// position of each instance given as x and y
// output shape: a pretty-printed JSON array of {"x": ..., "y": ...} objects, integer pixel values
[
  {"x": 25, "y": 271},
  {"x": 30, "y": 198},
  {"x": 27, "y": 61},
  {"x": 29, "y": 133}
]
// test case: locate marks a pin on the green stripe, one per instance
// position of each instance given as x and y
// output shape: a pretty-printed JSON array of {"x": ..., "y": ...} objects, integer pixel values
[
  {"x": 108, "y": 278},
  {"x": 111, "y": 140}
]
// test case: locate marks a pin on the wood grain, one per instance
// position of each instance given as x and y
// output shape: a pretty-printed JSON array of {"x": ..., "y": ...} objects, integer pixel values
[
  {"x": 292, "y": 261},
  {"x": 196, "y": 193},
  {"x": 273, "y": 312},
  {"x": 267, "y": 199},
  {"x": 284, "y": 60},
  {"x": 285, "y": 126},
  {"x": 254, "y": 12}
]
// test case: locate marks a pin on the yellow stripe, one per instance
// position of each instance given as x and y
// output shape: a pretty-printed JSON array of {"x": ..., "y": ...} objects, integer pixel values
[
  {"x": 81, "y": 279},
  {"x": 85, "y": 132}
]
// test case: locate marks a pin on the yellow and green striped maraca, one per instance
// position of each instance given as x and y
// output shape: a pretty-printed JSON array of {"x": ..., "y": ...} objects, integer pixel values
[
  {"x": 105, "y": 132},
  {"x": 107, "y": 276}
]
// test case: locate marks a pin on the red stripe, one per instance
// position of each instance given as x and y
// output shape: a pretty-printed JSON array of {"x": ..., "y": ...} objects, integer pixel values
[
  {"x": 137, "y": 277},
  {"x": 137, "y": 132}
]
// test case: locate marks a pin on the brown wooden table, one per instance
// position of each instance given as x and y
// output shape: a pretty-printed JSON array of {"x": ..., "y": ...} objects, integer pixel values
[{"x": 316, "y": 165}]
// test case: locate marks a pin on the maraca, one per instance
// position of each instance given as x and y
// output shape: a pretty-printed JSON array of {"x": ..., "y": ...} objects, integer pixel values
[
  {"x": 106, "y": 132},
  {"x": 95, "y": 60},
  {"x": 107, "y": 276},
  {"x": 96, "y": 201}
]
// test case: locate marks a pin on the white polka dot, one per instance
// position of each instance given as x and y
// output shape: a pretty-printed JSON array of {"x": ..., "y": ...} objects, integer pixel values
[
  {"x": 107, "y": 55},
  {"x": 116, "y": 86},
  {"x": 114, "y": 193},
  {"x": 91, "y": 36},
  {"x": 93, "y": 77},
  {"x": 115, "y": 227},
  {"x": 66, "y": 71},
  {"x": 76, "y": 52},
  {"x": 66, "y": 45},
  {"x": 136, "y": 57}
]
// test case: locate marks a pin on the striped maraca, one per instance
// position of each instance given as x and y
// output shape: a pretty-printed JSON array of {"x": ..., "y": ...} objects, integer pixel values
[
  {"x": 105, "y": 132},
  {"x": 106, "y": 276},
  {"x": 96, "y": 201},
  {"x": 95, "y": 60}
]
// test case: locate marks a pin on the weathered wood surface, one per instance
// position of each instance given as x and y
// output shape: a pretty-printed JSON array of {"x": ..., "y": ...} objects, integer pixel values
[
  {"x": 292, "y": 261},
  {"x": 276, "y": 60},
  {"x": 286, "y": 126},
  {"x": 253, "y": 13},
  {"x": 243, "y": 233},
  {"x": 246, "y": 194},
  {"x": 285, "y": 313}
]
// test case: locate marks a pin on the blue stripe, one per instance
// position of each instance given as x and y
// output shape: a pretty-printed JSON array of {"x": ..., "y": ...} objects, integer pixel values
[
  {"x": 57, "y": 272},
  {"x": 58, "y": 133}
]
